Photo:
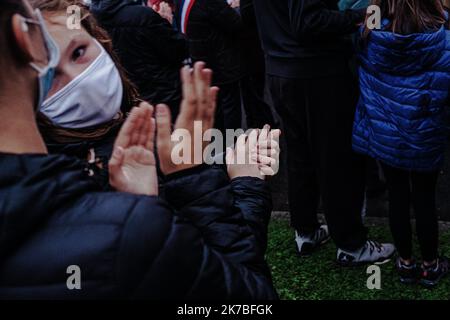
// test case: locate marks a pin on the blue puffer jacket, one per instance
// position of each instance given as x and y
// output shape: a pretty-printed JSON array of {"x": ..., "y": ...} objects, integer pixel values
[
  {"x": 207, "y": 244},
  {"x": 401, "y": 116}
]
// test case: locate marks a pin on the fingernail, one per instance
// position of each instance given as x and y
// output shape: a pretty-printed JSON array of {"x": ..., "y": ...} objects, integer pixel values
[
  {"x": 160, "y": 110},
  {"x": 118, "y": 151}
]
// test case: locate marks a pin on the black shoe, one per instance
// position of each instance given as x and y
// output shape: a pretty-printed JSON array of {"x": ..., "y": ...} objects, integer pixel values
[
  {"x": 408, "y": 273},
  {"x": 431, "y": 275}
]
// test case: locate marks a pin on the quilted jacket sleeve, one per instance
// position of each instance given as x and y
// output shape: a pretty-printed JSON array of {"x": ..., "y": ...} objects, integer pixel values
[
  {"x": 205, "y": 251},
  {"x": 252, "y": 197}
]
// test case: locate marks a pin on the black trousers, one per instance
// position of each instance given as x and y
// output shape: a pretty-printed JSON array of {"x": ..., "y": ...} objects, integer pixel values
[
  {"x": 229, "y": 110},
  {"x": 257, "y": 111},
  {"x": 317, "y": 115},
  {"x": 418, "y": 189},
  {"x": 248, "y": 93}
]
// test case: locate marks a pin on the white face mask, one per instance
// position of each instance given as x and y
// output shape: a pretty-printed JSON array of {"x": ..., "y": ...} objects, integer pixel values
[{"x": 92, "y": 98}]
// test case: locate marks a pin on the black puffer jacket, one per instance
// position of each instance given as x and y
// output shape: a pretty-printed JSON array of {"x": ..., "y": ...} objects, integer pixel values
[
  {"x": 148, "y": 47},
  {"x": 213, "y": 31},
  {"x": 53, "y": 216}
]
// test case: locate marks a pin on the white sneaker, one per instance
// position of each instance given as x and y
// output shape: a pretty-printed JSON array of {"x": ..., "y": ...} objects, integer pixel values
[
  {"x": 371, "y": 252},
  {"x": 307, "y": 243}
]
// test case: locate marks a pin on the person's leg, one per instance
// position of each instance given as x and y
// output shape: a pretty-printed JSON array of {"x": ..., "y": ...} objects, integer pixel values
[
  {"x": 375, "y": 186},
  {"x": 229, "y": 113},
  {"x": 303, "y": 195},
  {"x": 434, "y": 267},
  {"x": 424, "y": 202},
  {"x": 398, "y": 184},
  {"x": 331, "y": 103}
]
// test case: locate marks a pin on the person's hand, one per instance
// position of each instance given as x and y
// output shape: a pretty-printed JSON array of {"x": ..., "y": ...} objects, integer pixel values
[
  {"x": 235, "y": 3},
  {"x": 255, "y": 154},
  {"x": 164, "y": 10},
  {"x": 197, "y": 111},
  {"x": 268, "y": 154},
  {"x": 242, "y": 160},
  {"x": 132, "y": 167}
]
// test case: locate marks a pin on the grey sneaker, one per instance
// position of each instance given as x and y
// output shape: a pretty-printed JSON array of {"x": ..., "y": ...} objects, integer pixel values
[
  {"x": 371, "y": 252},
  {"x": 307, "y": 243}
]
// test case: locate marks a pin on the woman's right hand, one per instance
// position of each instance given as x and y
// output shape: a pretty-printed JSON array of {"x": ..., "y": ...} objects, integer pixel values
[{"x": 196, "y": 112}]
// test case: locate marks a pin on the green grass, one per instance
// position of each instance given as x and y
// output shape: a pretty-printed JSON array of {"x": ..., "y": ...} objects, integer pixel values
[{"x": 319, "y": 277}]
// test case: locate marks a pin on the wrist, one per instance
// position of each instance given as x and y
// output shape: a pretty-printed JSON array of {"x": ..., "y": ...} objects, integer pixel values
[
  {"x": 248, "y": 176},
  {"x": 256, "y": 174},
  {"x": 152, "y": 191}
]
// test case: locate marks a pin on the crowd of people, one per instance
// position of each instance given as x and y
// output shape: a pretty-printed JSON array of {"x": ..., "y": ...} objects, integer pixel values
[{"x": 88, "y": 117}]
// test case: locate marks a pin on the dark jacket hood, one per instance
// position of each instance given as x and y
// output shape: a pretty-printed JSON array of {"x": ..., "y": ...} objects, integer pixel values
[
  {"x": 405, "y": 54},
  {"x": 111, "y": 7},
  {"x": 43, "y": 183}
]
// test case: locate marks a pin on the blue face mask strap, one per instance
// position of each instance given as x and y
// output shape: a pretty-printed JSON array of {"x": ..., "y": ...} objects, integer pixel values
[
  {"x": 53, "y": 58},
  {"x": 28, "y": 20},
  {"x": 40, "y": 70},
  {"x": 46, "y": 73},
  {"x": 25, "y": 29}
]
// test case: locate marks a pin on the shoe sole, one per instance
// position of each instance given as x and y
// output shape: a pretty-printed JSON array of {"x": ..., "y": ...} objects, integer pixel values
[
  {"x": 431, "y": 284},
  {"x": 379, "y": 262},
  {"x": 308, "y": 249}
]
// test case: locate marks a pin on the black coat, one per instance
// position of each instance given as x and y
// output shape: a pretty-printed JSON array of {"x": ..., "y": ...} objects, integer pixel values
[
  {"x": 149, "y": 48},
  {"x": 213, "y": 31},
  {"x": 203, "y": 245},
  {"x": 306, "y": 38},
  {"x": 252, "y": 53}
]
